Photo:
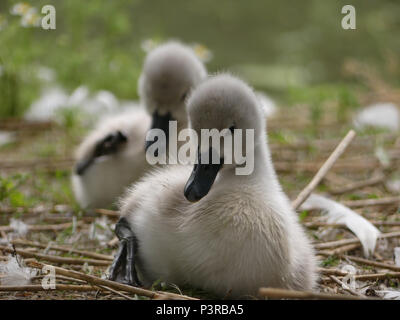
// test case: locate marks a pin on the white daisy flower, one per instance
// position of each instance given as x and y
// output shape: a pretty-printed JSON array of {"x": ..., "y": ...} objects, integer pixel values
[
  {"x": 31, "y": 18},
  {"x": 20, "y": 9},
  {"x": 202, "y": 52}
]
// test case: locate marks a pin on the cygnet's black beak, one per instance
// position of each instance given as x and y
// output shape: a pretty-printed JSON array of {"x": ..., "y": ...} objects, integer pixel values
[
  {"x": 162, "y": 123},
  {"x": 106, "y": 146},
  {"x": 202, "y": 177}
]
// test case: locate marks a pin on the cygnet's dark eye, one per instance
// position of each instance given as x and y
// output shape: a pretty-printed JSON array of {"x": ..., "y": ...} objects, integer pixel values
[
  {"x": 232, "y": 128},
  {"x": 183, "y": 97}
]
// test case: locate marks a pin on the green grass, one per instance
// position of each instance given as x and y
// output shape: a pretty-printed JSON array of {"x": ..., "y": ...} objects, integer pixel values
[{"x": 331, "y": 261}]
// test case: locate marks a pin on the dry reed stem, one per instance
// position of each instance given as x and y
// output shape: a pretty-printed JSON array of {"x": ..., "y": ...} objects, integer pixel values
[
  {"x": 109, "y": 213},
  {"x": 372, "y": 263},
  {"x": 303, "y": 195},
  {"x": 340, "y": 250},
  {"x": 334, "y": 272},
  {"x": 111, "y": 284},
  {"x": 372, "y": 202},
  {"x": 377, "y": 276},
  {"x": 56, "y": 259},
  {"x": 48, "y": 164},
  {"x": 275, "y": 293},
  {"x": 358, "y": 185},
  {"x": 59, "y": 287},
  {"x": 338, "y": 243},
  {"x": 90, "y": 254},
  {"x": 46, "y": 227},
  {"x": 315, "y": 224},
  {"x": 346, "y": 287}
]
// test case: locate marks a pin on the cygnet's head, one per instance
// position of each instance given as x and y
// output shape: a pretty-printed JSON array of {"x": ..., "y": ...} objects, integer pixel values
[
  {"x": 170, "y": 72},
  {"x": 225, "y": 103}
]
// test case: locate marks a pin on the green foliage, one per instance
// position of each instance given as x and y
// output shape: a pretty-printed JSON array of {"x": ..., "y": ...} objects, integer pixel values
[
  {"x": 303, "y": 215},
  {"x": 353, "y": 196},
  {"x": 10, "y": 190},
  {"x": 91, "y": 45},
  {"x": 281, "y": 137},
  {"x": 346, "y": 102},
  {"x": 97, "y": 43},
  {"x": 330, "y": 261}
]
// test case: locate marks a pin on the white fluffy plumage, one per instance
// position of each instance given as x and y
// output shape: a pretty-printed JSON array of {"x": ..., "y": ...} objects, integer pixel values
[
  {"x": 107, "y": 178},
  {"x": 243, "y": 234},
  {"x": 170, "y": 71}
]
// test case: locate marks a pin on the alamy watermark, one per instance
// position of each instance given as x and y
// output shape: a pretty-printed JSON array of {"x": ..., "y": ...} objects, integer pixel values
[
  {"x": 237, "y": 148},
  {"x": 49, "y": 278},
  {"x": 49, "y": 20},
  {"x": 349, "y": 20}
]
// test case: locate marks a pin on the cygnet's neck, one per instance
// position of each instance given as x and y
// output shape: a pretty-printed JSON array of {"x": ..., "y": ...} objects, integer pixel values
[{"x": 263, "y": 172}]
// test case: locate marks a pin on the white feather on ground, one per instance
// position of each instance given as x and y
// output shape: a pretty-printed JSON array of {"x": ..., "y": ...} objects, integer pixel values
[
  {"x": 101, "y": 231},
  {"x": 12, "y": 274},
  {"x": 54, "y": 100},
  {"x": 380, "y": 115},
  {"x": 389, "y": 294},
  {"x": 338, "y": 213},
  {"x": 45, "y": 108},
  {"x": 19, "y": 227}
]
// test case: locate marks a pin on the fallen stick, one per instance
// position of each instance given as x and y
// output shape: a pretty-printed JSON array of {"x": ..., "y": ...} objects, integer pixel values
[
  {"x": 346, "y": 287},
  {"x": 342, "y": 166},
  {"x": 56, "y": 259},
  {"x": 276, "y": 293},
  {"x": 18, "y": 124},
  {"x": 115, "y": 292},
  {"x": 62, "y": 287},
  {"x": 46, "y": 227},
  {"x": 334, "y": 272},
  {"x": 48, "y": 164},
  {"x": 372, "y": 202},
  {"x": 338, "y": 243},
  {"x": 109, "y": 213},
  {"x": 94, "y": 255},
  {"x": 377, "y": 276},
  {"x": 340, "y": 250},
  {"x": 366, "y": 142},
  {"x": 52, "y": 218},
  {"x": 61, "y": 278},
  {"x": 334, "y": 179},
  {"x": 372, "y": 263},
  {"x": 4, "y": 235},
  {"x": 113, "y": 242},
  {"x": 358, "y": 185},
  {"x": 108, "y": 283},
  {"x": 303, "y": 195},
  {"x": 38, "y": 210},
  {"x": 315, "y": 224}
]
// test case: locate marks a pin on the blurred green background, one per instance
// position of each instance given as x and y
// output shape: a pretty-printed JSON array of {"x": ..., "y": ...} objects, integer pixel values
[{"x": 278, "y": 46}]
